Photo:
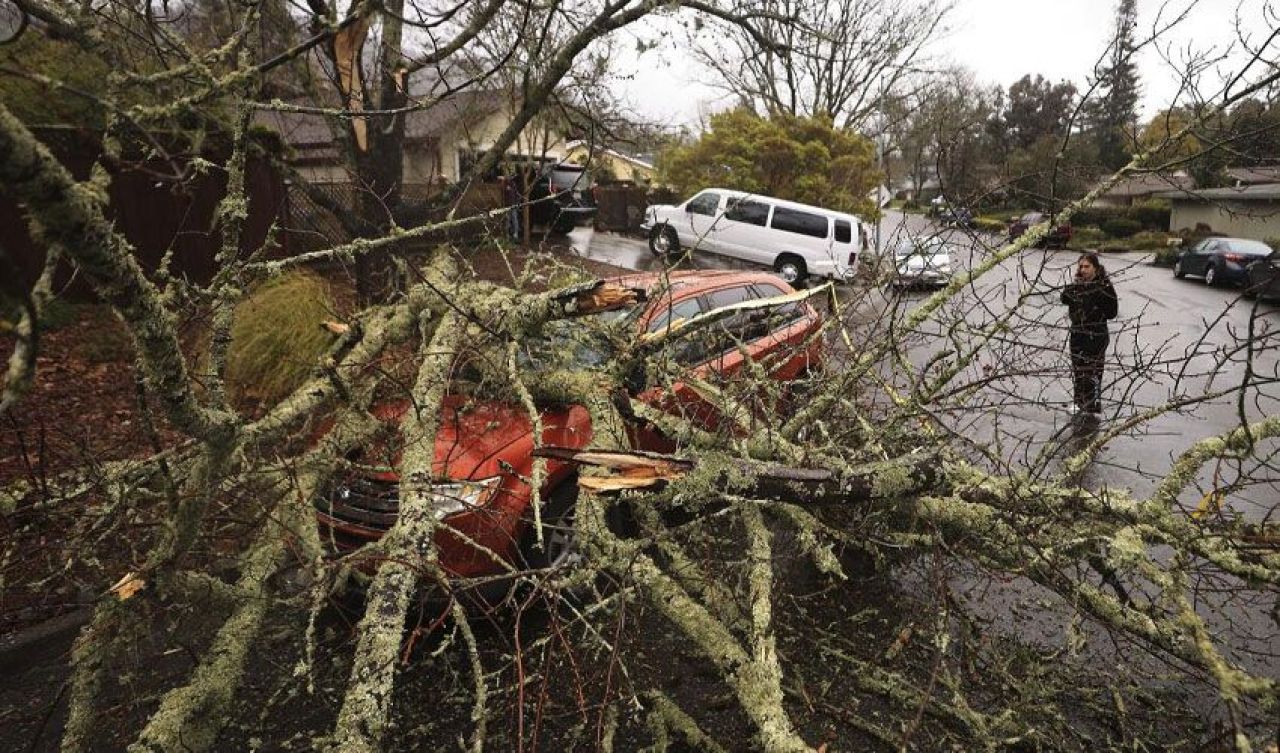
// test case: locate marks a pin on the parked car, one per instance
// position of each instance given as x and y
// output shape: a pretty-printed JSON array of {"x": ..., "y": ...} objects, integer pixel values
[
  {"x": 796, "y": 240},
  {"x": 953, "y": 216},
  {"x": 921, "y": 262},
  {"x": 1057, "y": 237},
  {"x": 560, "y": 198},
  {"x": 1264, "y": 278},
  {"x": 1221, "y": 261},
  {"x": 483, "y": 450}
]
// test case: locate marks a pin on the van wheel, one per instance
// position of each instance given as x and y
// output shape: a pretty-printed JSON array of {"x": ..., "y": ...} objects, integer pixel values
[
  {"x": 663, "y": 241},
  {"x": 791, "y": 269}
]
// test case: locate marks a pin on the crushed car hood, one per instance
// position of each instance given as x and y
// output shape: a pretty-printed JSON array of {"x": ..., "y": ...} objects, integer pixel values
[{"x": 479, "y": 439}]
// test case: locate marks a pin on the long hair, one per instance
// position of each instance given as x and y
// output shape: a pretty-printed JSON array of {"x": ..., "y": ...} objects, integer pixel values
[{"x": 1097, "y": 264}]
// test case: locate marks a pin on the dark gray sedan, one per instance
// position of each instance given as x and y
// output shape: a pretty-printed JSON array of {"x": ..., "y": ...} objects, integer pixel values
[{"x": 1221, "y": 261}]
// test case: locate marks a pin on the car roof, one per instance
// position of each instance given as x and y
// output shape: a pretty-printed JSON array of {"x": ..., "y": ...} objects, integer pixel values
[
  {"x": 781, "y": 202},
  {"x": 700, "y": 279}
]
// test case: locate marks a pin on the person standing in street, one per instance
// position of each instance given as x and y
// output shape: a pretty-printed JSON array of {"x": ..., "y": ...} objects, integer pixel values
[{"x": 1091, "y": 301}]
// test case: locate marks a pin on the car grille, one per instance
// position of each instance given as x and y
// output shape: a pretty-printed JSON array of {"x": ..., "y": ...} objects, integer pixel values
[{"x": 359, "y": 510}]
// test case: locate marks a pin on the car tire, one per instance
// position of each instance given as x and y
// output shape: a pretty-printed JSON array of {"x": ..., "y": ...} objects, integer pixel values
[
  {"x": 1211, "y": 276},
  {"x": 1177, "y": 270},
  {"x": 663, "y": 241},
  {"x": 791, "y": 269},
  {"x": 557, "y": 548},
  {"x": 563, "y": 225}
]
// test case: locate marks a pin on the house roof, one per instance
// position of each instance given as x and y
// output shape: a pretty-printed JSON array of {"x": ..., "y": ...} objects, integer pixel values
[
  {"x": 313, "y": 135},
  {"x": 1259, "y": 192},
  {"x": 1149, "y": 183},
  {"x": 1254, "y": 175}
]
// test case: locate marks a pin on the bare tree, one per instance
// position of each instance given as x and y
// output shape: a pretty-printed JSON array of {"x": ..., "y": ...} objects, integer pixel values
[{"x": 838, "y": 59}]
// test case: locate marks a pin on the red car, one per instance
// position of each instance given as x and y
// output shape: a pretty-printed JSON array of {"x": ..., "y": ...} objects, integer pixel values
[{"x": 483, "y": 451}]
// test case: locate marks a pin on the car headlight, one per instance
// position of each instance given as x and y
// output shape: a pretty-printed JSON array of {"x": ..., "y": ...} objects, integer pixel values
[{"x": 449, "y": 497}]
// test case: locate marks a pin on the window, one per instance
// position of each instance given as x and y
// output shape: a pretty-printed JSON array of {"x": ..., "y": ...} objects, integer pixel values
[
  {"x": 704, "y": 203},
  {"x": 844, "y": 233},
  {"x": 787, "y": 311},
  {"x": 730, "y": 296},
  {"x": 750, "y": 212},
  {"x": 801, "y": 223},
  {"x": 686, "y": 309}
]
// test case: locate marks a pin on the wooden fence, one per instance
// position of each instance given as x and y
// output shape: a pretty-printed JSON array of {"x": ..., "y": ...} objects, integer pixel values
[{"x": 158, "y": 216}]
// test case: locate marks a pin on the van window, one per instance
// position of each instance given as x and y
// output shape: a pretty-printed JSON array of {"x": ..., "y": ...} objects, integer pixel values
[
  {"x": 750, "y": 212},
  {"x": 704, "y": 203},
  {"x": 802, "y": 223},
  {"x": 844, "y": 233}
]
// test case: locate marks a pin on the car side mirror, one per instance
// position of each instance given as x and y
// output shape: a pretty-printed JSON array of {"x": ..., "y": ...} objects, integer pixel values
[{"x": 688, "y": 208}]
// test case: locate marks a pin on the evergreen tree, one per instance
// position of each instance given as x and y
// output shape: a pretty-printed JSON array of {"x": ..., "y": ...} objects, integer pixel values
[{"x": 1111, "y": 115}]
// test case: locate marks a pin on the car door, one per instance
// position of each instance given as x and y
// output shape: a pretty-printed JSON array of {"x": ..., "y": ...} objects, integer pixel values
[
  {"x": 743, "y": 233},
  {"x": 701, "y": 215},
  {"x": 711, "y": 355},
  {"x": 1201, "y": 256},
  {"x": 779, "y": 337}
]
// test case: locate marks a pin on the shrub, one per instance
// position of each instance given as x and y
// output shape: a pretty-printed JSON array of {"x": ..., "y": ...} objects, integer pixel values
[
  {"x": 1167, "y": 255},
  {"x": 1120, "y": 227},
  {"x": 1147, "y": 216},
  {"x": 277, "y": 337},
  {"x": 1087, "y": 237},
  {"x": 1151, "y": 241}
]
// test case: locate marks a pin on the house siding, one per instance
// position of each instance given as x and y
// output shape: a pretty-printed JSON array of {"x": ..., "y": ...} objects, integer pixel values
[
  {"x": 534, "y": 140},
  {"x": 1258, "y": 220},
  {"x": 622, "y": 169}
]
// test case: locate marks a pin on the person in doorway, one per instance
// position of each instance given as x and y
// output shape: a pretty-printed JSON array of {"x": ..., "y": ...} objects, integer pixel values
[{"x": 1091, "y": 301}]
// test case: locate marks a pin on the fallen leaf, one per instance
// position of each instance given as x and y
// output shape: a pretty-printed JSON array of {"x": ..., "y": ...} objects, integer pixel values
[{"x": 126, "y": 587}]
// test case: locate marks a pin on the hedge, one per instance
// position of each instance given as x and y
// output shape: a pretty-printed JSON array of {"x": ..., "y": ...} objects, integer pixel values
[{"x": 1139, "y": 217}]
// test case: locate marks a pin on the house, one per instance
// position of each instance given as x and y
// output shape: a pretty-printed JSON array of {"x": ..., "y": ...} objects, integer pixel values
[
  {"x": 1251, "y": 211},
  {"x": 616, "y": 164},
  {"x": 1135, "y": 188},
  {"x": 442, "y": 140}
]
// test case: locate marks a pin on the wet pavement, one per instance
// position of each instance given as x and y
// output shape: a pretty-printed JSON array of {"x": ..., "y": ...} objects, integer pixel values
[{"x": 1174, "y": 339}]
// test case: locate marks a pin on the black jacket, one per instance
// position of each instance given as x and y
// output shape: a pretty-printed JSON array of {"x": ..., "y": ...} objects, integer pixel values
[{"x": 1090, "y": 305}]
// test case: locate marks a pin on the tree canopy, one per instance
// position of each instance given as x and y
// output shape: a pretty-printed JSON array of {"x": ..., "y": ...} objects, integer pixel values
[{"x": 796, "y": 158}]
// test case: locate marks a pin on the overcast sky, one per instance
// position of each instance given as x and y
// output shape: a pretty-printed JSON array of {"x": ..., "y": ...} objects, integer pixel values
[{"x": 1000, "y": 41}]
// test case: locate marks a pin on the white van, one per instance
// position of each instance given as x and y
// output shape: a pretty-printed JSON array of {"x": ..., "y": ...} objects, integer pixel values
[{"x": 796, "y": 240}]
